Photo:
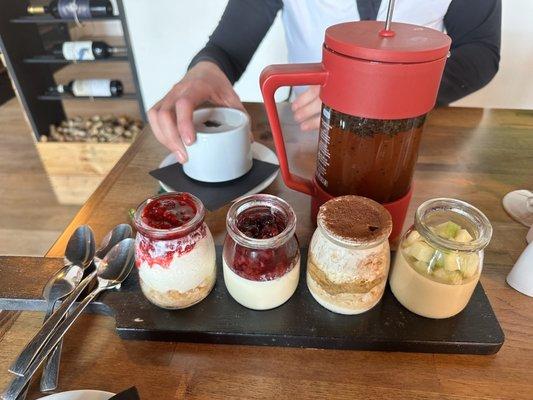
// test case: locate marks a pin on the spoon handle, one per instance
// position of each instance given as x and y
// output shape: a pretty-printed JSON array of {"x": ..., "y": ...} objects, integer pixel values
[
  {"x": 50, "y": 376},
  {"x": 18, "y": 383},
  {"x": 29, "y": 352}
]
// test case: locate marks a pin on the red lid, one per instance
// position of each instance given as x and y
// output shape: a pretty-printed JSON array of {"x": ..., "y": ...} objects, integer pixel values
[{"x": 404, "y": 43}]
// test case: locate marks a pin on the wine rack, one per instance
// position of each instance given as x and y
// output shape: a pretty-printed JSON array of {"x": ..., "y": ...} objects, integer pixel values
[{"x": 31, "y": 67}]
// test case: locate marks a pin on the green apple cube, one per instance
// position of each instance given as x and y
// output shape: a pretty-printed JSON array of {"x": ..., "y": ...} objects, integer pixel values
[
  {"x": 469, "y": 264},
  {"x": 463, "y": 236},
  {"x": 421, "y": 267},
  {"x": 447, "y": 229},
  {"x": 452, "y": 261},
  {"x": 421, "y": 251},
  {"x": 450, "y": 277},
  {"x": 414, "y": 236}
]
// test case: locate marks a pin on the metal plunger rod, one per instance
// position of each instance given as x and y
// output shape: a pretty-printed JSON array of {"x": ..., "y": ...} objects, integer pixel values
[{"x": 389, "y": 15}]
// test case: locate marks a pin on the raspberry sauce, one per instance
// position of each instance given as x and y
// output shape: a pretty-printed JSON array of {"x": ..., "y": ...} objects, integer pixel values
[
  {"x": 260, "y": 222},
  {"x": 167, "y": 212}
]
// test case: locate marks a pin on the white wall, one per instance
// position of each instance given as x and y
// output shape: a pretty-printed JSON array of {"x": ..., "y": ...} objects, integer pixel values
[
  {"x": 167, "y": 33},
  {"x": 165, "y": 38},
  {"x": 513, "y": 85}
]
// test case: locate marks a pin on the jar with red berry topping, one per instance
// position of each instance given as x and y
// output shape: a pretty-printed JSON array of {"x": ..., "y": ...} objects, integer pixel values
[
  {"x": 175, "y": 252},
  {"x": 261, "y": 257}
]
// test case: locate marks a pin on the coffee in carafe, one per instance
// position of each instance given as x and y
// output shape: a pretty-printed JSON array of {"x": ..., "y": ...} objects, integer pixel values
[{"x": 368, "y": 157}]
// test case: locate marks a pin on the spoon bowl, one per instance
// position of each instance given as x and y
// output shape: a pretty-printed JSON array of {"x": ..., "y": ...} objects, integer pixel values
[
  {"x": 116, "y": 235},
  {"x": 117, "y": 263},
  {"x": 81, "y": 247}
]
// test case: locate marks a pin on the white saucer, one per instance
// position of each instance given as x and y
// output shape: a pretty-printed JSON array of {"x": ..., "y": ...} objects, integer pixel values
[
  {"x": 518, "y": 205},
  {"x": 79, "y": 395},
  {"x": 259, "y": 152}
]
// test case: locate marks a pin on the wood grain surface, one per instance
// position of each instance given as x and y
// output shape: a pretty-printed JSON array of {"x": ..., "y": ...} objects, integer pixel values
[{"x": 470, "y": 154}]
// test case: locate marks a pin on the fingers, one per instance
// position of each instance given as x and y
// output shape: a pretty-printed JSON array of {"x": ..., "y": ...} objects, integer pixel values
[
  {"x": 310, "y": 95},
  {"x": 166, "y": 117},
  {"x": 183, "y": 110},
  {"x": 307, "y": 108},
  {"x": 311, "y": 124},
  {"x": 308, "y": 111}
]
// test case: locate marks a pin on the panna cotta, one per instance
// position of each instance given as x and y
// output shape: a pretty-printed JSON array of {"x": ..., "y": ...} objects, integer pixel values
[
  {"x": 439, "y": 261},
  {"x": 175, "y": 252},
  {"x": 349, "y": 255},
  {"x": 261, "y": 257}
]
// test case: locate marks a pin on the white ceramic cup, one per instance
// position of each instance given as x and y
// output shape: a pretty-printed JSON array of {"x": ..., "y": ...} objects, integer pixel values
[
  {"x": 521, "y": 276},
  {"x": 222, "y": 150}
]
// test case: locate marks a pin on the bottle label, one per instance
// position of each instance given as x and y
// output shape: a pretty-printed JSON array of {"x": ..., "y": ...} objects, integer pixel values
[
  {"x": 323, "y": 147},
  {"x": 92, "y": 87},
  {"x": 78, "y": 51},
  {"x": 74, "y": 9}
]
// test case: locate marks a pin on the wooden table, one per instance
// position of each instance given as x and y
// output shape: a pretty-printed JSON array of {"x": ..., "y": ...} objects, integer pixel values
[{"x": 470, "y": 154}]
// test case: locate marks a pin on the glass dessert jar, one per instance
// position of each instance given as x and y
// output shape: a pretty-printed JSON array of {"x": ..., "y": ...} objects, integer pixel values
[
  {"x": 174, "y": 250},
  {"x": 440, "y": 258},
  {"x": 349, "y": 255},
  {"x": 261, "y": 256}
]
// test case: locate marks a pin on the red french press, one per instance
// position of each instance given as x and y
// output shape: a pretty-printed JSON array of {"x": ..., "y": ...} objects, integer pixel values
[{"x": 376, "y": 87}]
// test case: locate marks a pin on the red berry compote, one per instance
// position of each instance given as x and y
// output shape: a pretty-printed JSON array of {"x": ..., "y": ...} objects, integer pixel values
[
  {"x": 261, "y": 258},
  {"x": 174, "y": 252}
]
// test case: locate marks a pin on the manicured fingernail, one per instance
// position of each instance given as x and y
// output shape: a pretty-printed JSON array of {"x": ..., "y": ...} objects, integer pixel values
[
  {"x": 180, "y": 157},
  {"x": 188, "y": 140}
]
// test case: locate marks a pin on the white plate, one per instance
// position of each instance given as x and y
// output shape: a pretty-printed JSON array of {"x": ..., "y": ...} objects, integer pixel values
[
  {"x": 259, "y": 152},
  {"x": 80, "y": 395}
]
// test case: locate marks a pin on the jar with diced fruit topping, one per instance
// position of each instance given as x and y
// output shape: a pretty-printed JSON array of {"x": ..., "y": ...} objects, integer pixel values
[
  {"x": 440, "y": 258},
  {"x": 261, "y": 256},
  {"x": 174, "y": 250}
]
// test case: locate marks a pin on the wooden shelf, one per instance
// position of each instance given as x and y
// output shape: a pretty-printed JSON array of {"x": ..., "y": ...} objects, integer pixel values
[
  {"x": 46, "y": 19},
  {"x": 51, "y": 59},
  {"x": 60, "y": 97},
  {"x": 25, "y": 41}
]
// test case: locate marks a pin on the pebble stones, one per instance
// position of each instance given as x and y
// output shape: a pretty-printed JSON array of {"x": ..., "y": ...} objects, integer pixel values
[{"x": 98, "y": 128}]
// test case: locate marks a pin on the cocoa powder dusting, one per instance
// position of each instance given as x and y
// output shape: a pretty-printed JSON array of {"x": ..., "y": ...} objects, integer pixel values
[{"x": 356, "y": 219}]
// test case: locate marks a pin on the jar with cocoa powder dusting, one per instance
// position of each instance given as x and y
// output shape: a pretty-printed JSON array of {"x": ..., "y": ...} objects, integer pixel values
[{"x": 349, "y": 254}]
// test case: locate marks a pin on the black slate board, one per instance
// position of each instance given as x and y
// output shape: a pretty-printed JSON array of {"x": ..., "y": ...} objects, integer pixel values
[{"x": 301, "y": 322}]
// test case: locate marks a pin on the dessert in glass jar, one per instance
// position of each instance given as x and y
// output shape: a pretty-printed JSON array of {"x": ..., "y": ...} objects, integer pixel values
[
  {"x": 349, "y": 255},
  {"x": 440, "y": 258},
  {"x": 174, "y": 250},
  {"x": 261, "y": 257}
]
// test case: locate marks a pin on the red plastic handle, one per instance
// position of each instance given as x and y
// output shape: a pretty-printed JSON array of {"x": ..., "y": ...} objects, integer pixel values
[{"x": 272, "y": 78}]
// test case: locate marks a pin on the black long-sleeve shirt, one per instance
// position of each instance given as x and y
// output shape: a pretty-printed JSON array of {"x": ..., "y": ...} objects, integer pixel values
[{"x": 473, "y": 25}]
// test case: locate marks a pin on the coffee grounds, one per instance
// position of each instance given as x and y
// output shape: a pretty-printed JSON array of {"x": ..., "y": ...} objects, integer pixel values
[
  {"x": 369, "y": 127},
  {"x": 356, "y": 219}
]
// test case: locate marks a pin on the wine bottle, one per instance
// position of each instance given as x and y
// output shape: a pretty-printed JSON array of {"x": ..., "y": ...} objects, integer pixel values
[
  {"x": 86, "y": 50},
  {"x": 74, "y": 9},
  {"x": 91, "y": 88}
]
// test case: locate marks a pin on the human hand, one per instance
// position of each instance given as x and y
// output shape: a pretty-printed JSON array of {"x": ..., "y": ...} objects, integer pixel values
[
  {"x": 306, "y": 108},
  {"x": 171, "y": 117}
]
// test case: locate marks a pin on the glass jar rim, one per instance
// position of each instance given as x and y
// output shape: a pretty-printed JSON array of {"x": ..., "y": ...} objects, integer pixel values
[
  {"x": 268, "y": 200},
  {"x": 459, "y": 207},
  {"x": 178, "y": 231}
]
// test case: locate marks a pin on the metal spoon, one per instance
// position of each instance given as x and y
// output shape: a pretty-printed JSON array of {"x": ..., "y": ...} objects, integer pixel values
[
  {"x": 24, "y": 359},
  {"x": 79, "y": 251},
  {"x": 79, "y": 254},
  {"x": 112, "y": 270},
  {"x": 50, "y": 375}
]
